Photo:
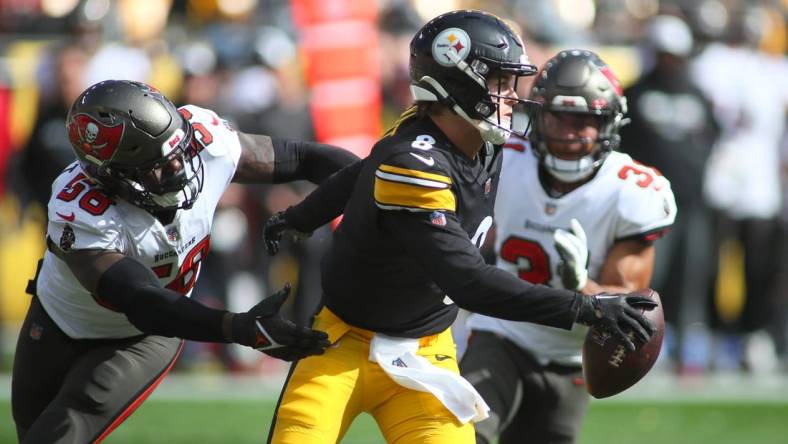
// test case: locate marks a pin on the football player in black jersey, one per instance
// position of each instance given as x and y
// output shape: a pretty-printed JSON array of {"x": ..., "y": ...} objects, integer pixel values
[{"x": 405, "y": 256}]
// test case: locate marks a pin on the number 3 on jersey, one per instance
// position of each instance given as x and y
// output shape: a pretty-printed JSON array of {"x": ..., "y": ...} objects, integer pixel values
[
  {"x": 644, "y": 175},
  {"x": 532, "y": 262}
]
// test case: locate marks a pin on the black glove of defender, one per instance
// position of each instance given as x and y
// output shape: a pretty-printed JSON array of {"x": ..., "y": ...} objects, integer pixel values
[
  {"x": 264, "y": 329},
  {"x": 617, "y": 313}
]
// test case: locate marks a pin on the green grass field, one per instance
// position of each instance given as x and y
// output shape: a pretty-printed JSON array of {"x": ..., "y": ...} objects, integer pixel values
[{"x": 245, "y": 421}]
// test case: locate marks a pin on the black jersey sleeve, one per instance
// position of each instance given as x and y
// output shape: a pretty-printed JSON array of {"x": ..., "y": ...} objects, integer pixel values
[
  {"x": 131, "y": 288},
  {"x": 312, "y": 161},
  {"x": 437, "y": 241},
  {"x": 326, "y": 202}
]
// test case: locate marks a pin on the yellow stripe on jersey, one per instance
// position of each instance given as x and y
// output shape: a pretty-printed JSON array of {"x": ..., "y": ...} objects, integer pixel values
[
  {"x": 393, "y": 195},
  {"x": 414, "y": 173}
]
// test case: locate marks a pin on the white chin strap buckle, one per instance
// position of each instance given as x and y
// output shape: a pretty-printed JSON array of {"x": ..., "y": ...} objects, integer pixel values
[{"x": 493, "y": 134}]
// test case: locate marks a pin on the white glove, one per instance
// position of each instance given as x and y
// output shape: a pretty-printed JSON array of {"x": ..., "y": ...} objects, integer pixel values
[{"x": 572, "y": 246}]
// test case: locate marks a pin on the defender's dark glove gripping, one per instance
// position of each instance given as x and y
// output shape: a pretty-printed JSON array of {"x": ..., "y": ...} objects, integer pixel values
[{"x": 264, "y": 329}]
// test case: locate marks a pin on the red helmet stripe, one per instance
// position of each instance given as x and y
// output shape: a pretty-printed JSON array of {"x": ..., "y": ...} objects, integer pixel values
[{"x": 611, "y": 76}]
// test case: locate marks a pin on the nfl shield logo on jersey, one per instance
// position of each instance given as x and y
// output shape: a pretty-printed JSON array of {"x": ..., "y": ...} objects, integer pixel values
[
  {"x": 549, "y": 208},
  {"x": 438, "y": 218},
  {"x": 172, "y": 234},
  {"x": 67, "y": 238}
]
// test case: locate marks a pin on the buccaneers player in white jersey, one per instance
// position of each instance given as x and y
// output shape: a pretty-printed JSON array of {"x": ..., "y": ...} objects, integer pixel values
[
  {"x": 571, "y": 213},
  {"x": 129, "y": 223}
]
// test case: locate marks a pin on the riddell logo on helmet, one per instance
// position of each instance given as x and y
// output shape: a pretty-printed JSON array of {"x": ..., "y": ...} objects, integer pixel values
[
  {"x": 94, "y": 138},
  {"x": 170, "y": 144},
  {"x": 174, "y": 141}
]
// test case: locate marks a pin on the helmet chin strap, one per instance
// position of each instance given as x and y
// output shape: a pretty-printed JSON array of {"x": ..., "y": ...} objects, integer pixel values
[
  {"x": 570, "y": 171},
  {"x": 187, "y": 193},
  {"x": 490, "y": 132},
  {"x": 175, "y": 198}
]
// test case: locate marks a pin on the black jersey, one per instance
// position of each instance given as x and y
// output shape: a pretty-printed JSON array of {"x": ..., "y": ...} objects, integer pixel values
[{"x": 406, "y": 253}]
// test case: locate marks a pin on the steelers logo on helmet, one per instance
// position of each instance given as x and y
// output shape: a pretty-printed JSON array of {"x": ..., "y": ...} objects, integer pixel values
[
  {"x": 451, "y": 46},
  {"x": 461, "y": 59}
]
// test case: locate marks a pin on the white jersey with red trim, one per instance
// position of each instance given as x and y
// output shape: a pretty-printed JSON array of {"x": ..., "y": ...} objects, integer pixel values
[
  {"x": 624, "y": 200},
  {"x": 82, "y": 217}
]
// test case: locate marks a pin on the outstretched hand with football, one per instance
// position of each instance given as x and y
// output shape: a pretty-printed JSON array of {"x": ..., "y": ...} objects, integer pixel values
[
  {"x": 619, "y": 314},
  {"x": 612, "y": 363}
]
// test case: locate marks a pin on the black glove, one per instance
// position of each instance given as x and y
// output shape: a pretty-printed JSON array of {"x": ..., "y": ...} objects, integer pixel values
[
  {"x": 264, "y": 329},
  {"x": 273, "y": 229},
  {"x": 617, "y": 313},
  {"x": 272, "y": 232}
]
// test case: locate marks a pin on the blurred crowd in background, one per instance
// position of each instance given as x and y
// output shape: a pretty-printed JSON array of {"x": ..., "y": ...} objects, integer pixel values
[{"x": 707, "y": 88}]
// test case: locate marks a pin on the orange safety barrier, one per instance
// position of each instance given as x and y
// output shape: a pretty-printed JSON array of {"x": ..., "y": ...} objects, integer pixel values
[{"x": 339, "y": 42}]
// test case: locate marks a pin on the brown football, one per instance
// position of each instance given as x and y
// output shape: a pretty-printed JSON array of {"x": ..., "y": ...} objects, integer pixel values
[{"x": 609, "y": 367}]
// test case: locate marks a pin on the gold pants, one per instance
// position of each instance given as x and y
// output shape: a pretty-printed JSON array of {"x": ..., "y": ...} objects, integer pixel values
[{"x": 325, "y": 393}]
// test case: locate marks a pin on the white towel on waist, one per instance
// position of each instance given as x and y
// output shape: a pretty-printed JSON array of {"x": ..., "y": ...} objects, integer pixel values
[{"x": 397, "y": 357}]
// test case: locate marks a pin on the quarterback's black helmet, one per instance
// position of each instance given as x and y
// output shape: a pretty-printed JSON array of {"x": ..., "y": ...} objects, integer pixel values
[
  {"x": 455, "y": 55},
  {"x": 133, "y": 142},
  {"x": 580, "y": 82}
]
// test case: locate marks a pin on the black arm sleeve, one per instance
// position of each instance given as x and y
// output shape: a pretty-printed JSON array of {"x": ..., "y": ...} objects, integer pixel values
[
  {"x": 326, "y": 202},
  {"x": 312, "y": 161},
  {"x": 455, "y": 264},
  {"x": 133, "y": 289}
]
